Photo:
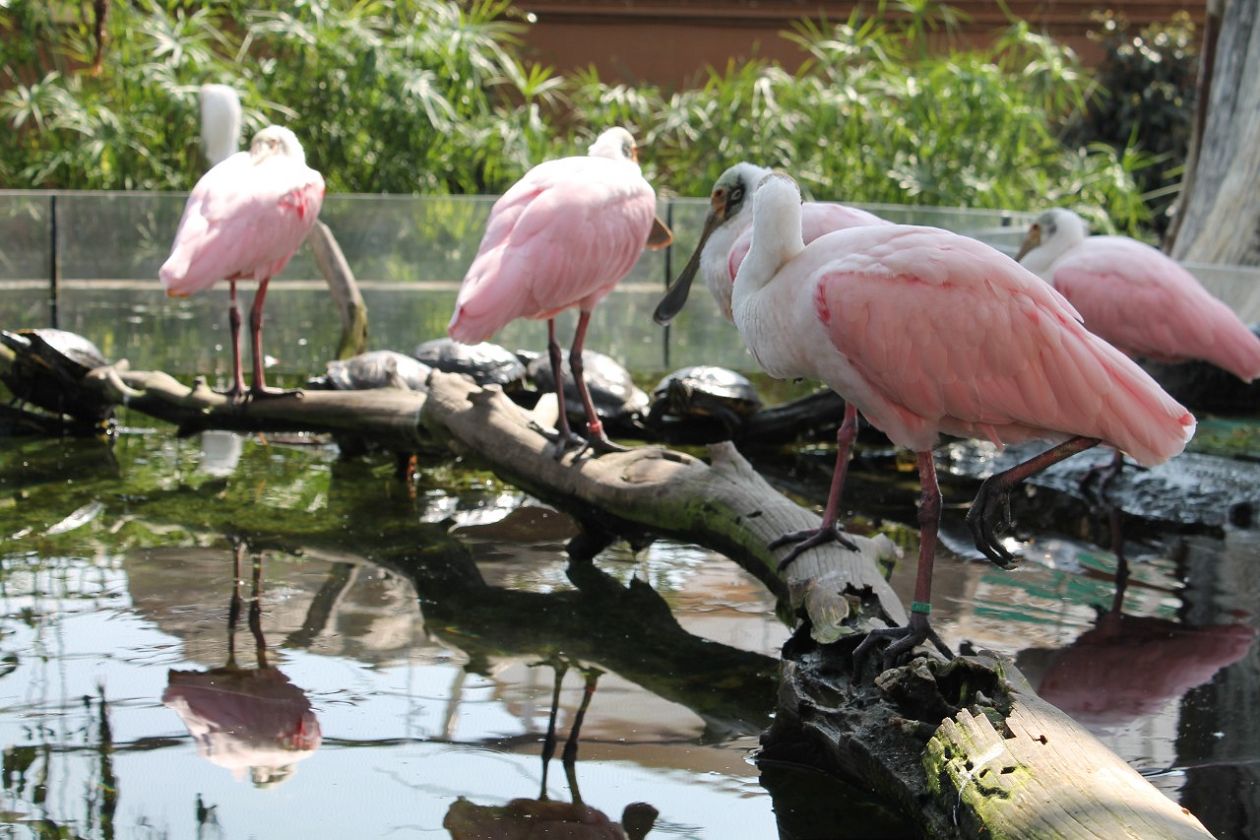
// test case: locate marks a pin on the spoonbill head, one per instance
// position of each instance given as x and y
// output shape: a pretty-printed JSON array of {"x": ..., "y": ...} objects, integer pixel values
[
  {"x": 727, "y": 236},
  {"x": 616, "y": 143}
]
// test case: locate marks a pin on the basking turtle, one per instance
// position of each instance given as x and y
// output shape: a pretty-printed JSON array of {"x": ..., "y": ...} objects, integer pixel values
[
  {"x": 486, "y": 363},
  {"x": 704, "y": 391},
  {"x": 377, "y": 369},
  {"x": 48, "y": 368},
  {"x": 618, "y": 401}
]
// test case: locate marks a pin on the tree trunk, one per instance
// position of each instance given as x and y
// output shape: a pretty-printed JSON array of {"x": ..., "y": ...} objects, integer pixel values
[{"x": 1219, "y": 211}]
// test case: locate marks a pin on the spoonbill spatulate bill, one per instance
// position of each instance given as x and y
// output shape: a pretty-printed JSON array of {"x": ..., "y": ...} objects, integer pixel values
[
  {"x": 925, "y": 332},
  {"x": 244, "y": 220},
  {"x": 560, "y": 238}
]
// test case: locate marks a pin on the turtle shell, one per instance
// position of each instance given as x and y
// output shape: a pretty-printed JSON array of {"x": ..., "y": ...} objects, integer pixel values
[
  {"x": 47, "y": 369},
  {"x": 377, "y": 369},
  {"x": 699, "y": 390},
  {"x": 612, "y": 389},
  {"x": 486, "y": 363}
]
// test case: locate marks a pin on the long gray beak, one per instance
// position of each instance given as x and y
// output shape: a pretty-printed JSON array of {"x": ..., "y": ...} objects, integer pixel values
[
  {"x": 676, "y": 296},
  {"x": 1032, "y": 240}
]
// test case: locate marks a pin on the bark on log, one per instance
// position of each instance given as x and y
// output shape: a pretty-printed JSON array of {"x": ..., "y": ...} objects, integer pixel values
[
  {"x": 345, "y": 291},
  {"x": 1220, "y": 209},
  {"x": 966, "y": 748}
]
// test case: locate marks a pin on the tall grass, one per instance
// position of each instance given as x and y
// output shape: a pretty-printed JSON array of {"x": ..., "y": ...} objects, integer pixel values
[{"x": 431, "y": 96}]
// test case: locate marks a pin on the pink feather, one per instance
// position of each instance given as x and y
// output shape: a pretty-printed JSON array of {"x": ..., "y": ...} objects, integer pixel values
[{"x": 562, "y": 236}]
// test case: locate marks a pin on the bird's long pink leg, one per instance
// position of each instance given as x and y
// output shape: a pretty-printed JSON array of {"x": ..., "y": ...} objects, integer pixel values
[
  {"x": 829, "y": 529},
  {"x": 557, "y": 375},
  {"x": 234, "y": 322},
  {"x": 919, "y": 629},
  {"x": 594, "y": 426},
  {"x": 255, "y": 333},
  {"x": 992, "y": 505}
]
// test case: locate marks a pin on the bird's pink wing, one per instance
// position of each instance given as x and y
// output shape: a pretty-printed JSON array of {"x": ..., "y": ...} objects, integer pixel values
[
  {"x": 953, "y": 336},
  {"x": 242, "y": 221},
  {"x": 1146, "y": 304},
  {"x": 817, "y": 218},
  {"x": 561, "y": 237}
]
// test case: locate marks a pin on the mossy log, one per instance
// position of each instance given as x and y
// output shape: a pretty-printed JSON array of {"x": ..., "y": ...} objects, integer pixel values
[
  {"x": 966, "y": 748},
  {"x": 938, "y": 738}
]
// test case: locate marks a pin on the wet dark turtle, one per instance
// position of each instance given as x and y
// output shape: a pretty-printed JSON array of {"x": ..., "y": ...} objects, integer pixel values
[
  {"x": 48, "y": 368},
  {"x": 486, "y": 363},
  {"x": 618, "y": 401},
  {"x": 704, "y": 391},
  {"x": 377, "y": 369}
]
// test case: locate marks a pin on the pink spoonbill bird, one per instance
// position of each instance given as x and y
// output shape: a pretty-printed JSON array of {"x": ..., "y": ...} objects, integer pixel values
[
  {"x": 1138, "y": 299},
  {"x": 244, "y": 220},
  {"x": 925, "y": 332},
  {"x": 1135, "y": 297},
  {"x": 560, "y": 237},
  {"x": 724, "y": 242}
]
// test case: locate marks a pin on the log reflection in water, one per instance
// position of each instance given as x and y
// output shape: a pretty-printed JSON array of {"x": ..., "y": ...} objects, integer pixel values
[{"x": 246, "y": 719}]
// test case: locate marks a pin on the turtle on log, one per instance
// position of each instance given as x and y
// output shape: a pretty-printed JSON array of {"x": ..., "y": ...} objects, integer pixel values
[
  {"x": 486, "y": 363},
  {"x": 700, "y": 395},
  {"x": 375, "y": 369},
  {"x": 47, "y": 370}
]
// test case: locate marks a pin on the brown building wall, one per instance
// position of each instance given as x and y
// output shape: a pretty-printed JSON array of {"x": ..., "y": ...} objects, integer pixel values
[{"x": 670, "y": 43}]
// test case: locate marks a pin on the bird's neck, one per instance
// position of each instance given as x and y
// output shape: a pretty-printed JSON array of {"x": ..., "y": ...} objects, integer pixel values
[{"x": 776, "y": 238}]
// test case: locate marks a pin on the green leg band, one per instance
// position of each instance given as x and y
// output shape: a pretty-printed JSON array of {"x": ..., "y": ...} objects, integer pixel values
[{"x": 922, "y": 607}]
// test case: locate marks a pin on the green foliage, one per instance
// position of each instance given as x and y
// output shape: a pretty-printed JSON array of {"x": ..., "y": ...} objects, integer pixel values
[
  {"x": 1145, "y": 98},
  {"x": 430, "y": 96}
]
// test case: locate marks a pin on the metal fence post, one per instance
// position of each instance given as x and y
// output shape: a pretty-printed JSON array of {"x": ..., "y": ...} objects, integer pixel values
[
  {"x": 669, "y": 272},
  {"x": 54, "y": 262}
]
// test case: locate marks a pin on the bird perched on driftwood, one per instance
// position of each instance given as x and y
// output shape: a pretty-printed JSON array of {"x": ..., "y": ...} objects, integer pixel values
[
  {"x": 244, "y": 220},
  {"x": 561, "y": 237},
  {"x": 925, "y": 332}
]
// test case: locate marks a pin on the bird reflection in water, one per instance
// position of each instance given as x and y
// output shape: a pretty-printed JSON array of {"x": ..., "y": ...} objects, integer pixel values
[
  {"x": 526, "y": 819},
  {"x": 1128, "y": 666},
  {"x": 245, "y": 718}
]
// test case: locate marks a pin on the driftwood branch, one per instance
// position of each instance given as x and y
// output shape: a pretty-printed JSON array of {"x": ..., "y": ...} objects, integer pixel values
[{"x": 345, "y": 291}]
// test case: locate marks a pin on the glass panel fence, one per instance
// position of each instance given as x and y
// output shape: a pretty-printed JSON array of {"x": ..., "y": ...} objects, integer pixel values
[{"x": 408, "y": 254}]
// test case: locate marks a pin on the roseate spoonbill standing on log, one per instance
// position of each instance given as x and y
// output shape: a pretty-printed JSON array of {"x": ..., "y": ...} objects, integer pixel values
[
  {"x": 926, "y": 332},
  {"x": 244, "y": 220},
  {"x": 724, "y": 242},
  {"x": 1137, "y": 298},
  {"x": 561, "y": 237}
]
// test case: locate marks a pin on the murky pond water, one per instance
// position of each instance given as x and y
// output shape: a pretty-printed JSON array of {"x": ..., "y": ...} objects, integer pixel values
[{"x": 298, "y": 646}]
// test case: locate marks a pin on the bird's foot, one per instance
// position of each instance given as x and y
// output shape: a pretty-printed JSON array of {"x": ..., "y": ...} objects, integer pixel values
[
  {"x": 262, "y": 392},
  {"x": 236, "y": 393},
  {"x": 903, "y": 641},
  {"x": 601, "y": 445},
  {"x": 990, "y": 515},
  {"x": 562, "y": 441},
  {"x": 810, "y": 538}
]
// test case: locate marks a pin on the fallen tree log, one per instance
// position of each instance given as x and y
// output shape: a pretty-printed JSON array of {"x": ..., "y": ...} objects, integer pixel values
[{"x": 966, "y": 748}]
